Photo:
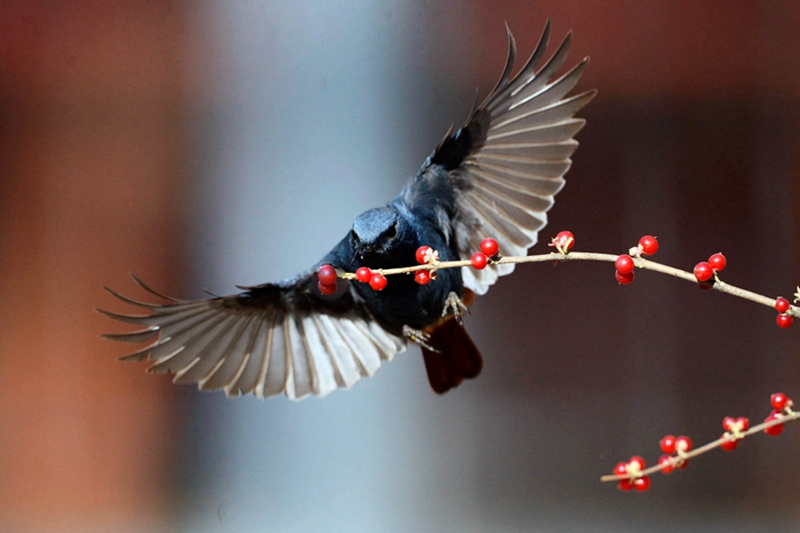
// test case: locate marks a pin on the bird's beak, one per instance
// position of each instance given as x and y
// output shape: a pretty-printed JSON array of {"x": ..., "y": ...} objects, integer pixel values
[{"x": 364, "y": 249}]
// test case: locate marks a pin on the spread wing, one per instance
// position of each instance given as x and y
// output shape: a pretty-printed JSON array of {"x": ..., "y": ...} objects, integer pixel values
[
  {"x": 270, "y": 339},
  {"x": 497, "y": 176}
]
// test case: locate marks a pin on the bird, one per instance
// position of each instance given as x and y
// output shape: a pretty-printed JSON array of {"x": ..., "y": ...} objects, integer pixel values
[{"x": 496, "y": 176}]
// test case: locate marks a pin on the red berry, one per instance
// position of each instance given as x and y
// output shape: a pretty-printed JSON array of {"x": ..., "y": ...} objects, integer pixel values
[
  {"x": 782, "y": 305},
  {"x": 636, "y": 463},
  {"x": 327, "y": 275},
  {"x": 624, "y": 264},
  {"x": 784, "y": 321},
  {"x": 727, "y": 423},
  {"x": 777, "y": 429},
  {"x": 621, "y": 469},
  {"x": 683, "y": 443},
  {"x": 363, "y": 274},
  {"x": 479, "y": 261},
  {"x": 423, "y": 277},
  {"x": 728, "y": 444},
  {"x": 703, "y": 271},
  {"x": 326, "y": 288},
  {"x": 565, "y": 240},
  {"x": 649, "y": 245},
  {"x": 779, "y": 401},
  {"x": 730, "y": 424},
  {"x": 666, "y": 464},
  {"x": 667, "y": 444},
  {"x": 680, "y": 465},
  {"x": 717, "y": 262},
  {"x": 624, "y": 279},
  {"x": 625, "y": 485},
  {"x": 422, "y": 251},
  {"x": 377, "y": 281},
  {"x": 641, "y": 484},
  {"x": 489, "y": 247}
]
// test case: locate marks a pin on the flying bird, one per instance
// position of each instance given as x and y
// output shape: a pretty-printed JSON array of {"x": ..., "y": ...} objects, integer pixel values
[{"x": 494, "y": 177}]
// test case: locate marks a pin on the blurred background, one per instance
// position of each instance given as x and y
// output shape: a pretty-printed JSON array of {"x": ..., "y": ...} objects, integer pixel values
[{"x": 208, "y": 143}]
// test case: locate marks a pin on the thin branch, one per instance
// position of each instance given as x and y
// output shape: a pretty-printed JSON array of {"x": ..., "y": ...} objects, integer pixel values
[
  {"x": 640, "y": 262},
  {"x": 676, "y": 460}
]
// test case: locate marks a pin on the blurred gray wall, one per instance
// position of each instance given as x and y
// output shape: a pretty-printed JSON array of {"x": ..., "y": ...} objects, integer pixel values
[{"x": 319, "y": 115}]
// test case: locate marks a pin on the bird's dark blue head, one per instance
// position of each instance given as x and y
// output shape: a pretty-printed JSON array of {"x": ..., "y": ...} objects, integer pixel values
[{"x": 382, "y": 236}]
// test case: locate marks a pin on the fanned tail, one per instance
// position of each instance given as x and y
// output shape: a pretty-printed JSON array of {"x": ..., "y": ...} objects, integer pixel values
[{"x": 457, "y": 360}]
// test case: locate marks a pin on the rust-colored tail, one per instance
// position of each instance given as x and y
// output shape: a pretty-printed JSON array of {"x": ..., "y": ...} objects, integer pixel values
[{"x": 458, "y": 359}]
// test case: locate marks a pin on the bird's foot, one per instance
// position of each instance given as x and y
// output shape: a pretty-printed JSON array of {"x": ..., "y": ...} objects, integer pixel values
[
  {"x": 419, "y": 337},
  {"x": 455, "y": 306}
]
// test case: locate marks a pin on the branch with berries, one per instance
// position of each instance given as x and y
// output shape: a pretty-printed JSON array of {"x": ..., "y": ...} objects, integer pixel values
[
  {"x": 633, "y": 474},
  {"x": 705, "y": 274}
]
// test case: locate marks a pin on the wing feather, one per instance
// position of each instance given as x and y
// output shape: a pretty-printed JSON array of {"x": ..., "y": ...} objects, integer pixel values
[
  {"x": 520, "y": 197},
  {"x": 268, "y": 340},
  {"x": 557, "y": 151},
  {"x": 214, "y": 354},
  {"x": 320, "y": 358},
  {"x": 528, "y": 166},
  {"x": 366, "y": 353},
  {"x": 348, "y": 370},
  {"x": 273, "y": 376},
  {"x": 232, "y": 362},
  {"x": 194, "y": 346}
]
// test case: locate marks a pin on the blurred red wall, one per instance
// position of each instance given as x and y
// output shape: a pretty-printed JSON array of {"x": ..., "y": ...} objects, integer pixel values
[{"x": 90, "y": 159}]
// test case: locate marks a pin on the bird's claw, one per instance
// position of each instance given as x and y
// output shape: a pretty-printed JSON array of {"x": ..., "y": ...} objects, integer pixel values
[
  {"x": 454, "y": 305},
  {"x": 419, "y": 337}
]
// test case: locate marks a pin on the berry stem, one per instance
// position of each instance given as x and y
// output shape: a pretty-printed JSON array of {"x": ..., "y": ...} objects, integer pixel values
[{"x": 787, "y": 417}]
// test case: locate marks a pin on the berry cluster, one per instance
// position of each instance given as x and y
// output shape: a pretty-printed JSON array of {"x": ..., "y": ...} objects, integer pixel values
[
  {"x": 705, "y": 270},
  {"x": 327, "y": 277},
  {"x": 734, "y": 432},
  {"x": 675, "y": 453},
  {"x": 633, "y": 470},
  {"x": 624, "y": 265},
  {"x": 426, "y": 255},
  {"x": 781, "y": 406},
  {"x": 784, "y": 319},
  {"x": 633, "y": 474},
  {"x": 648, "y": 245},
  {"x": 489, "y": 252}
]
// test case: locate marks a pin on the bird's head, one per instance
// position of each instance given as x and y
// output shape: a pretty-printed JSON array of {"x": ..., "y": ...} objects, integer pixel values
[{"x": 380, "y": 234}]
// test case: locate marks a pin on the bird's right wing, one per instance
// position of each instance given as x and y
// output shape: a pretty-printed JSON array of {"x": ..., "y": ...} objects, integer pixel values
[
  {"x": 497, "y": 176},
  {"x": 270, "y": 339}
]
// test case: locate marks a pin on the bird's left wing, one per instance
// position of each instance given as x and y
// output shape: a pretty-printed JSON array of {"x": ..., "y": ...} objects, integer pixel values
[
  {"x": 497, "y": 175},
  {"x": 270, "y": 339}
]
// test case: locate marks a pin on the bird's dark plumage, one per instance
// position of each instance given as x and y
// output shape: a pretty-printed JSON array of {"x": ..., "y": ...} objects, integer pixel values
[{"x": 494, "y": 177}]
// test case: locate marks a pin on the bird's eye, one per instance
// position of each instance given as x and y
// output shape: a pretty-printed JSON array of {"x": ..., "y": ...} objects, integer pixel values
[{"x": 392, "y": 232}]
